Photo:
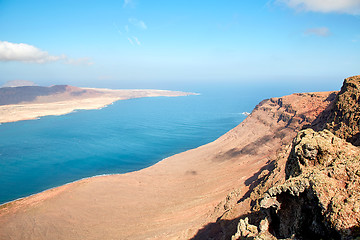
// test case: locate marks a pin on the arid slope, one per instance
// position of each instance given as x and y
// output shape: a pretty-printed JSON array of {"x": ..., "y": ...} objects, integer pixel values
[{"x": 174, "y": 198}]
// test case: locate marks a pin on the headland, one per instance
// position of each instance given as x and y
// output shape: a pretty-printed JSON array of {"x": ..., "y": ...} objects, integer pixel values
[{"x": 236, "y": 187}]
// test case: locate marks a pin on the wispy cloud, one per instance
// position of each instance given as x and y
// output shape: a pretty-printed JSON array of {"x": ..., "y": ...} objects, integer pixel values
[
  {"x": 134, "y": 41},
  {"x": 324, "y": 6},
  {"x": 137, "y": 41},
  {"x": 137, "y": 23},
  {"x": 128, "y": 3},
  {"x": 130, "y": 41},
  {"x": 321, "y": 31},
  {"x": 22, "y": 52}
]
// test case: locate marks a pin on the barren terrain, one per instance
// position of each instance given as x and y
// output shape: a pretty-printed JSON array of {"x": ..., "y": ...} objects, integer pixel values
[{"x": 174, "y": 198}]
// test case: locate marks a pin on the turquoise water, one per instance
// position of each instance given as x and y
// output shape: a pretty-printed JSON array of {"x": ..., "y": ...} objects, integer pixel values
[{"x": 129, "y": 135}]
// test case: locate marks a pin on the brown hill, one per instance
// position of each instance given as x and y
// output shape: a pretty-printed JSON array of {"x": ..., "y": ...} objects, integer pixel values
[{"x": 38, "y": 94}]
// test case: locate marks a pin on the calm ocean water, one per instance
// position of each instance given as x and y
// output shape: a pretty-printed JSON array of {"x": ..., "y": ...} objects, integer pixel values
[{"x": 129, "y": 135}]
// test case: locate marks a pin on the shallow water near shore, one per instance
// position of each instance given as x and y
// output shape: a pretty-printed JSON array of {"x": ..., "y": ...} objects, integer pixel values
[{"x": 126, "y": 136}]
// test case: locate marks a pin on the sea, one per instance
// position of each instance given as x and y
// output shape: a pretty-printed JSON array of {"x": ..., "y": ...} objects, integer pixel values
[{"x": 125, "y": 136}]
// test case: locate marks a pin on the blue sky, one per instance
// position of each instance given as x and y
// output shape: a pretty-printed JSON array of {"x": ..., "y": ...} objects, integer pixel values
[{"x": 138, "y": 42}]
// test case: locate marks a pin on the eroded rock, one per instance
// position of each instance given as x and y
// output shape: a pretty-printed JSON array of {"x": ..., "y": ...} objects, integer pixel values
[
  {"x": 344, "y": 119},
  {"x": 320, "y": 198}
]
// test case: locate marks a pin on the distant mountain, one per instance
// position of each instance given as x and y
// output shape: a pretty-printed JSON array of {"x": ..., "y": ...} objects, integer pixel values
[
  {"x": 18, "y": 83},
  {"x": 27, "y": 94}
]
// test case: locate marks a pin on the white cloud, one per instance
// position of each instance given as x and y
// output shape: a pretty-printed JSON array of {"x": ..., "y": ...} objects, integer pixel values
[
  {"x": 25, "y": 53},
  {"x": 325, "y": 6},
  {"x": 322, "y": 31},
  {"x": 137, "y": 23},
  {"x": 22, "y": 52},
  {"x": 127, "y": 28}
]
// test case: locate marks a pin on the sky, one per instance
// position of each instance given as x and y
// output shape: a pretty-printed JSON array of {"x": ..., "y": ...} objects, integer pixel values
[{"x": 134, "y": 43}]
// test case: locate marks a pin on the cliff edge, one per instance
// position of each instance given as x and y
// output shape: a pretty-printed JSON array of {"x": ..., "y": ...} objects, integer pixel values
[
  {"x": 314, "y": 190},
  {"x": 215, "y": 191}
]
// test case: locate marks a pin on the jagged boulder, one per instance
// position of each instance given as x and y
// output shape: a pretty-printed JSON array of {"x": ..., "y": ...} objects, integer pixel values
[
  {"x": 344, "y": 118},
  {"x": 321, "y": 197},
  {"x": 311, "y": 149}
]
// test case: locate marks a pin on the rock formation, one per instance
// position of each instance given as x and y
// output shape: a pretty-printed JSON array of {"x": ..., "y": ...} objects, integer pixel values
[
  {"x": 344, "y": 119},
  {"x": 314, "y": 190}
]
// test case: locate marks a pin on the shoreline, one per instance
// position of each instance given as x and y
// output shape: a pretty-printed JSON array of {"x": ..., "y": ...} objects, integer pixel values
[
  {"x": 83, "y": 179},
  {"x": 173, "y": 198},
  {"x": 46, "y": 106}
]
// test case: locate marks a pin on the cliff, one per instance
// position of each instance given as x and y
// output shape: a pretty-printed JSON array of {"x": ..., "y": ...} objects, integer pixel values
[
  {"x": 207, "y": 188},
  {"x": 314, "y": 190}
]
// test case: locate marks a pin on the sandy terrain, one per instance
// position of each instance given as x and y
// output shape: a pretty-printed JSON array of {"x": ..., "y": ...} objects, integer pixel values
[
  {"x": 63, "y": 103},
  {"x": 172, "y": 199}
]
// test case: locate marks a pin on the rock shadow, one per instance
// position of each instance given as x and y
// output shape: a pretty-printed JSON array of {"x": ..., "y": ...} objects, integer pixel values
[
  {"x": 249, "y": 149},
  {"x": 256, "y": 179}
]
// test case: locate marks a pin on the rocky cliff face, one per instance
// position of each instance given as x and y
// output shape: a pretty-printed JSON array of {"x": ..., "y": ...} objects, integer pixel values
[
  {"x": 314, "y": 190},
  {"x": 344, "y": 118}
]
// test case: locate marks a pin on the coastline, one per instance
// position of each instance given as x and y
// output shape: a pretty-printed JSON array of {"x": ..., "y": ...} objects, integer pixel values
[
  {"x": 173, "y": 198},
  {"x": 43, "y": 106}
]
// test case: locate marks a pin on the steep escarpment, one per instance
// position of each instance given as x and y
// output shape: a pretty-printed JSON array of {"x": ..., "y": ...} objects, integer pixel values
[
  {"x": 207, "y": 186},
  {"x": 314, "y": 190}
]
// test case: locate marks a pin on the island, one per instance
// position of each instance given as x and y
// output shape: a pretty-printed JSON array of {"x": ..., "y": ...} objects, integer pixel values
[{"x": 31, "y": 102}]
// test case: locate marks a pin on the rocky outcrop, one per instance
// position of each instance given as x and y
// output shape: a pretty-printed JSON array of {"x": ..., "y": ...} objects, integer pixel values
[
  {"x": 320, "y": 198},
  {"x": 314, "y": 190},
  {"x": 344, "y": 119}
]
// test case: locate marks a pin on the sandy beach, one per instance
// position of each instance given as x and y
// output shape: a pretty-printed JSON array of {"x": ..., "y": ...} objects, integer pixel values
[
  {"x": 64, "y": 103},
  {"x": 174, "y": 198}
]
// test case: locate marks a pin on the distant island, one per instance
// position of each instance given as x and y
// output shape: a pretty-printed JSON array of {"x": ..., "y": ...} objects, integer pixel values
[
  {"x": 290, "y": 170},
  {"x": 30, "y": 102}
]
